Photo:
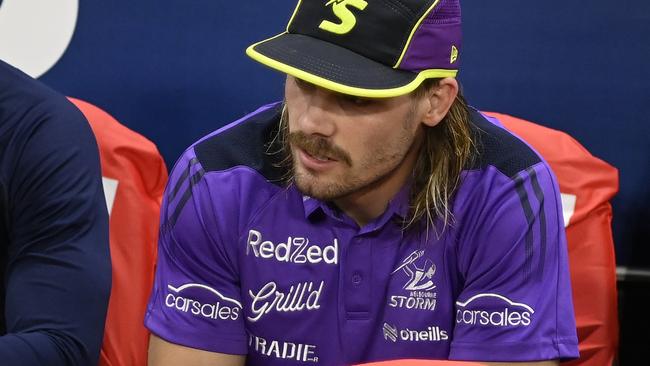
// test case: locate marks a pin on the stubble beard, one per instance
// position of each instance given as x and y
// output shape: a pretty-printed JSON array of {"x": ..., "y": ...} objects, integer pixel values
[{"x": 377, "y": 166}]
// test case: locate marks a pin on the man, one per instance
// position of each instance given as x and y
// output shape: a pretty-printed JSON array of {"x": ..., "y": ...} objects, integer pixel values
[
  {"x": 54, "y": 254},
  {"x": 371, "y": 216}
]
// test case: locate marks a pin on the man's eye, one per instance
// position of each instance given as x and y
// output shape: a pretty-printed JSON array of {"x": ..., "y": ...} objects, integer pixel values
[
  {"x": 357, "y": 101},
  {"x": 303, "y": 84}
]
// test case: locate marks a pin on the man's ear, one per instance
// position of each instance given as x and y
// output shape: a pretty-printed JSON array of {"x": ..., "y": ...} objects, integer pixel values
[{"x": 439, "y": 101}]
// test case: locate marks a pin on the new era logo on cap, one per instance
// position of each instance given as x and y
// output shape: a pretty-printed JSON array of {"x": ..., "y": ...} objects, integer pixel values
[
  {"x": 454, "y": 54},
  {"x": 370, "y": 48}
]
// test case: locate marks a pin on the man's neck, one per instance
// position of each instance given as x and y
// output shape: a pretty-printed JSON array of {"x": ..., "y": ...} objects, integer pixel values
[
  {"x": 365, "y": 206},
  {"x": 370, "y": 202}
]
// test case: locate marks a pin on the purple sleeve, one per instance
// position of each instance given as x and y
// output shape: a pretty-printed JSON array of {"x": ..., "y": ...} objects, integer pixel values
[
  {"x": 196, "y": 300},
  {"x": 516, "y": 303}
]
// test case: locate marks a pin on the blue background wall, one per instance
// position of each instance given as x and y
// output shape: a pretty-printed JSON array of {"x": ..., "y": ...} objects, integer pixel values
[{"x": 174, "y": 70}]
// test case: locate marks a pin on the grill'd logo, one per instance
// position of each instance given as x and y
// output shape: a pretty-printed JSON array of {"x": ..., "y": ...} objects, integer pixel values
[
  {"x": 304, "y": 296},
  {"x": 347, "y": 19}
]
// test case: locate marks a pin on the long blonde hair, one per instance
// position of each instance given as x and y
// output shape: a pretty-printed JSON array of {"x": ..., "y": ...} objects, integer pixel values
[{"x": 447, "y": 149}]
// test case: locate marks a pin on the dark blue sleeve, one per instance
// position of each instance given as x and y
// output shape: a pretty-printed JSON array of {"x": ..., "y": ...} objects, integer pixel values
[{"x": 58, "y": 271}]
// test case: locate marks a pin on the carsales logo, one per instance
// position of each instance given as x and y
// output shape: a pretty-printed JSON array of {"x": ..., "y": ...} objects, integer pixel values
[
  {"x": 493, "y": 310},
  {"x": 191, "y": 298}
]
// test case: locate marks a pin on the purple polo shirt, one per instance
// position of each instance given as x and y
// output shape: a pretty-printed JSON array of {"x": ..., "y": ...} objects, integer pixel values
[{"x": 247, "y": 265}]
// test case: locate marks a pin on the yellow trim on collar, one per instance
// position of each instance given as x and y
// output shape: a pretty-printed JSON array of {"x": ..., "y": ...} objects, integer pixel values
[{"x": 345, "y": 89}]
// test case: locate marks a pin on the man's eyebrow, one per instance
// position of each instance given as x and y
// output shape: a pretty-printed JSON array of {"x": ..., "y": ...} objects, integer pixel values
[
  {"x": 305, "y": 82},
  {"x": 335, "y": 93}
]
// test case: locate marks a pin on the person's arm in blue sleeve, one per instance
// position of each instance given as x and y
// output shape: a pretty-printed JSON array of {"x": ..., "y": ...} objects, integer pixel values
[{"x": 58, "y": 272}]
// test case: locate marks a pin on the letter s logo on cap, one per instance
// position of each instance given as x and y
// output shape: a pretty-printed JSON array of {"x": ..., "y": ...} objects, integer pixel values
[
  {"x": 345, "y": 15},
  {"x": 34, "y": 34}
]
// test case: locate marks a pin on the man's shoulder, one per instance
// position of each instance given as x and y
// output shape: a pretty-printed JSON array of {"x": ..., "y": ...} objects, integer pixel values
[
  {"x": 235, "y": 169},
  {"x": 237, "y": 166},
  {"x": 505, "y": 171},
  {"x": 250, "y": 142},
  {"x": 18, "y": 89},
  {"x": 499, "y": 149},
  {"x": 27, "y": 102}
]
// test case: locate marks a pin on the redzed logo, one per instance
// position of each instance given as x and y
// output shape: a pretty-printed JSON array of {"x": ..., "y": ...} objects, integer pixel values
[{"x": 296, "y": 250}]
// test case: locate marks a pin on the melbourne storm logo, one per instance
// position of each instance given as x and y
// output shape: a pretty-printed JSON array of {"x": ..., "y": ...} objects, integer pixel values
[
  {"x": 420, "y": 276},
  {"x": 419, "y": 284}
]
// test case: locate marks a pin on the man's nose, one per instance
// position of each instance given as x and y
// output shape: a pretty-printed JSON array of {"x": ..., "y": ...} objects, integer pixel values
[{"x": 319, "y": 116}]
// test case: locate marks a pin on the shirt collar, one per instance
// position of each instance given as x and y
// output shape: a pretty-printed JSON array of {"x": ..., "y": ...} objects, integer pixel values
[
  {"x": 398, "y": 205},
  {"x": 311, "y": 205}
]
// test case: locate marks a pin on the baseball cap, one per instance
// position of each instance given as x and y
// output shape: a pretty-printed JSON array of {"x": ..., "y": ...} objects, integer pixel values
[{"x": 367, "y": 48}]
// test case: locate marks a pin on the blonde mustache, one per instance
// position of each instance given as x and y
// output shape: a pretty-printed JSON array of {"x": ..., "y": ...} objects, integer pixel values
[{"x": 317, "y": 146}]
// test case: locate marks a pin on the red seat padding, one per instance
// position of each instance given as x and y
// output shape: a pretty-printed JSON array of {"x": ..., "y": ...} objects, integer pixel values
[{"x": 132, "y": 165}]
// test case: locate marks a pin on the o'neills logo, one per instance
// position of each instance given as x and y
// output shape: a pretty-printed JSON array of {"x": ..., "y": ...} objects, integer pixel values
[
  {"x": 295, "y": 250},
  {"x": 430, "y": 334},
  {"x": 495, "y": 311},
  {"x": 218, "y": 308},
  {"x": 304, "y": 296}
]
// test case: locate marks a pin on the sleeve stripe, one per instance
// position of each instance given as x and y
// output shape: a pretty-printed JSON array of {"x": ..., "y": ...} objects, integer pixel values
[
  {"x": 542, "y": 219},
  {"x": 528, "y": 211},
  {"x": 196, "y": 178},
  {"x": 182, "y": 178}
]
